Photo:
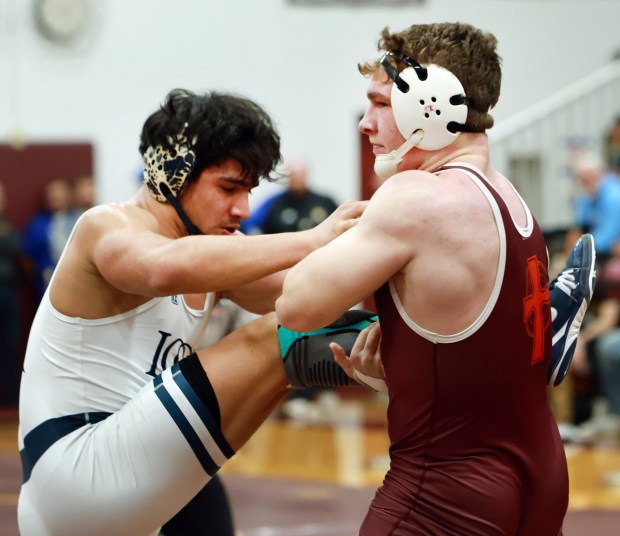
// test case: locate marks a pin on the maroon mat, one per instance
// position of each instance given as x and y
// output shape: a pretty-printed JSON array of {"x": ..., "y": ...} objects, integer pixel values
[
  {"x": 278, "y": 507},
  {"x": 287, "y": 507}
]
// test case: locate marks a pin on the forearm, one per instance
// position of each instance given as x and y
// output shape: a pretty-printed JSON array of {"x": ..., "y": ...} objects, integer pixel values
[
  {"x": 216, "y": 263},
  {"x": 232, "y": 262}
]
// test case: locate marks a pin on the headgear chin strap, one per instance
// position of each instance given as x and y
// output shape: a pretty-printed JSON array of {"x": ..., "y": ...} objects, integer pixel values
[
  {"x": 386, "y": 165},
  {"x": 189, "y": 225},
  {"x": 429, "y": 106}
]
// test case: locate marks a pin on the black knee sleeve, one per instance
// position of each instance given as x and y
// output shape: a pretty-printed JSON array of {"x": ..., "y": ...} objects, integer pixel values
[
  {"x": 199, "y": 381},
  {"x": 209, "y": 512}
]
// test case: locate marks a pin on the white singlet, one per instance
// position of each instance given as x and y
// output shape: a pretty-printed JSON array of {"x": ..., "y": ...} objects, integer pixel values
[
  {"x": 115, "y": 471},
  {"x": 75, "y": 365}
]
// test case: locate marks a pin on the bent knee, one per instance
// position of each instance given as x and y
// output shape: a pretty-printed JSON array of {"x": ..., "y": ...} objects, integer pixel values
[{"x": 262, "y": 330}]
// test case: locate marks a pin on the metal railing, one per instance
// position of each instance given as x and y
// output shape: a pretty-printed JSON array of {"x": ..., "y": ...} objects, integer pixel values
[{"x": 533, "y": 147}]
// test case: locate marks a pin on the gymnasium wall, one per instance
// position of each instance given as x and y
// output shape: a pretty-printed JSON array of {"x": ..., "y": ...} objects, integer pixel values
[{"x": 299, "y": 62}]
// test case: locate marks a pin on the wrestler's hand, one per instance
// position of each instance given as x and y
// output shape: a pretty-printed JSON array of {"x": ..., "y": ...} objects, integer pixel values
[
  {"x": 364, "y": 364},
  {"x": 339, "y": 221}
]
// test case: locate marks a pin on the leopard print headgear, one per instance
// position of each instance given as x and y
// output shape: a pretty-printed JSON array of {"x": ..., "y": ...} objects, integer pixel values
[{"x": 171, "y": 167}]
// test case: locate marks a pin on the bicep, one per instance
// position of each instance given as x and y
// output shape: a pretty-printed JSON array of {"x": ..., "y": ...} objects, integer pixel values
[
  {"x": 337, "y": 277},
  {"x": 127, "y": 258},
  {"x": 343, "y": 273}
]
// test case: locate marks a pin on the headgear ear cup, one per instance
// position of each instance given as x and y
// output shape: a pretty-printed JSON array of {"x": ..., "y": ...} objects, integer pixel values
[
  {"x": 168, "y": 166},
  {"x": 428, "y": 106},
  {"x": 166, "y": 172}
]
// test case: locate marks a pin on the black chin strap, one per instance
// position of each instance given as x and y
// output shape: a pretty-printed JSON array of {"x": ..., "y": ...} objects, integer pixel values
[
  {"x": 455, "y": 127},
  {"x": 191, "y": 228}
]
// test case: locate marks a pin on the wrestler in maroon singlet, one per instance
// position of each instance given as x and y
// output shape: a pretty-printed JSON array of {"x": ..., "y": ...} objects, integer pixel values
[{"x": 474, "y": 445}]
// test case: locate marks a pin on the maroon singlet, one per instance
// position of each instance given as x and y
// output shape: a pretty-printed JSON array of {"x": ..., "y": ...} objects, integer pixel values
[{"x": 474, "y": 447}]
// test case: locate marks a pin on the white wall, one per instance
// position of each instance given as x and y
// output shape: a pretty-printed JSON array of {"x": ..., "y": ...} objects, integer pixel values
[{"x": 300, "y": 63}]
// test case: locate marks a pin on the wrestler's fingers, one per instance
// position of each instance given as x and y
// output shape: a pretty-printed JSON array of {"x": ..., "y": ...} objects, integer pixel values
[
  {"x": 360, "y": 342},
  {"x": 373, "y": 337},
  {"x": 341, "y": 357},
  {"x": 366, "y": 346},
  {"x": 354, "y": 209}
]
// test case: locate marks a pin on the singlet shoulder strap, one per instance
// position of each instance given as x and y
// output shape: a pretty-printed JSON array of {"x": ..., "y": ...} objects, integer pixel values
[
  {"x": 494, "y": 204},
  {"x": 525, "y": 231}
]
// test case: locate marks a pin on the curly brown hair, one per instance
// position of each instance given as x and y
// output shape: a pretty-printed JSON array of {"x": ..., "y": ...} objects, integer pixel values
[{"x": 469, "y": 53}]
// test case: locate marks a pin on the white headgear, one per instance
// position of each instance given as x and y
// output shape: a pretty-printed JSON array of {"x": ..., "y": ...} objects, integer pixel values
[{"x": 429, "y": 106}]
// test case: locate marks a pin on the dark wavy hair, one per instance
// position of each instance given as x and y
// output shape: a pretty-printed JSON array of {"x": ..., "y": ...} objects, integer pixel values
[{"x": 217, "y": 126}]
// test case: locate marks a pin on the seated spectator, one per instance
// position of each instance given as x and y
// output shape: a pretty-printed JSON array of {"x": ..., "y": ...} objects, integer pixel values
[
  {"x": 596, "y": 208},
  {"x": 597, "y": 355},
  {"x": 47, "y": 232}
]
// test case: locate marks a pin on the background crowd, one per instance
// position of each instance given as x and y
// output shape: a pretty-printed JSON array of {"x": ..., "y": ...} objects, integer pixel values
[{"x": 28, "y": 257}]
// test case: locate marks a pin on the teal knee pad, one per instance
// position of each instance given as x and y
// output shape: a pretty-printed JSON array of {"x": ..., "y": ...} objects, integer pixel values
[{"x": 308, "y": 359}]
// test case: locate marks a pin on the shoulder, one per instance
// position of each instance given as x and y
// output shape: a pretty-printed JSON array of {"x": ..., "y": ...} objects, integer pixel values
[
  {"x": 112, "y": 218},
  {"x": 122, "y": 214},
  {"x": 423, "y": 204},
  {"x": 403, "y": 206},
  {"x": 421, "y": 193}
]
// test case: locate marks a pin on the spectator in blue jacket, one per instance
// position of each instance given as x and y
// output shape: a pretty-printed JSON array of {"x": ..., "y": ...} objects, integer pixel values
[
  {"x": 597, "y": 209},
  {"x": 47, "y": 232}
]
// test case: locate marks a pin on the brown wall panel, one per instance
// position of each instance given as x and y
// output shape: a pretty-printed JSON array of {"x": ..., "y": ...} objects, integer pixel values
[{"x": 24, "y": 173}]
